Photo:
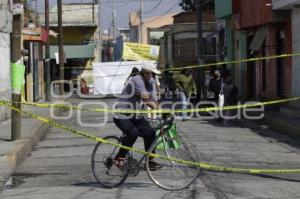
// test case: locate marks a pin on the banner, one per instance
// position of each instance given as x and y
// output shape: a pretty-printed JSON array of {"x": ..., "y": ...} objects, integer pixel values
[
  {"x": 110, "y": 77},
  {"x": 17, "y": 77},
  {"x": 140, "y": 52}
]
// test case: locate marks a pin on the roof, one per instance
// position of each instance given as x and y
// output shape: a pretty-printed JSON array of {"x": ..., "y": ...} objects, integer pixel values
[
  {"x": 191, "y": 17},
  {"x": 74, "y": 51},
  {"x": 156, "y": 21},
  {"x": 75, "y": 15}
]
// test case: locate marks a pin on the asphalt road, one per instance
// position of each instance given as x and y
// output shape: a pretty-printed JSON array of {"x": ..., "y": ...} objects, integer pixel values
[{"x": 59, "y": 167}]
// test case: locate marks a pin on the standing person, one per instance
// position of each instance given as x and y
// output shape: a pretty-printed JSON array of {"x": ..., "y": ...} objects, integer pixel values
[
  {"x": 231, "y": 97},
  {"x": 133, "y": 73},
  {"x": 210, "y": 95},
  {"x": 215, "y": 86},
  {"x": 186, "y": 86},
  {"x": 224, "y": 72},
  {"x": 136, "y": 92},
  {"x": 154, "y": 81},
  {"x": 154, "y": 87}
]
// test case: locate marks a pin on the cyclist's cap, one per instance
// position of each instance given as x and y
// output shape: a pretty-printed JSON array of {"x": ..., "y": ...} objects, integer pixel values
[{"x": 150, "y": 66}]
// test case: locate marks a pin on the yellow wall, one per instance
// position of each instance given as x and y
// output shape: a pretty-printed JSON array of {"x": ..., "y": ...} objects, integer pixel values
[{"x": 74, "y": 35}]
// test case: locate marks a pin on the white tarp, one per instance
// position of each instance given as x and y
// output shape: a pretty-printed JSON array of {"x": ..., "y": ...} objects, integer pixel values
[{"x": 109, "y": 77}]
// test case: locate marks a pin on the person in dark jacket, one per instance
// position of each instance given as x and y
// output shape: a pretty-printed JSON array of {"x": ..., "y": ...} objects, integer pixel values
[
  {"x": 224, "y": 72},
  {"x": 231, "y": 97},
  {"x": 215, "y": 85}
]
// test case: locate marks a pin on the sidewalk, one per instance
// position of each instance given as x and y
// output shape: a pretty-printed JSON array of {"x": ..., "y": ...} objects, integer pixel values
[
  {"x": 273, "y": 120},
  {"x": 283, "y": 124},
  {"x": 13, "y": 153}
]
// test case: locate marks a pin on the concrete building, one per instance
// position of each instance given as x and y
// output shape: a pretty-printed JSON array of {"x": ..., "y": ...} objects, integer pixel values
[
  {"x": 226, "y": 12},
  {"x": 254, "y": 30},
  {"x": 149, "y": 29},
  {"x": 180, "y": 41},
  {"x": 260, "y": 28},
  {"x": 293, "y": 7},
  {"x": 80, "y": 30},
  {"x": 33, "y": 40},
  {"x": 5, "y": 30}
]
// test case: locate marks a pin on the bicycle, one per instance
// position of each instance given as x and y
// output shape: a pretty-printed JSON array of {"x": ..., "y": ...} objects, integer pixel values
[{"x": 109, "y": 175}]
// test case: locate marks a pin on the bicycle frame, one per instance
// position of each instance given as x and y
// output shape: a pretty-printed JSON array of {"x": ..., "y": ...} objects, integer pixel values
[
  {"x": 134, "y": 165},
  {"x": 160, "y": 135}
]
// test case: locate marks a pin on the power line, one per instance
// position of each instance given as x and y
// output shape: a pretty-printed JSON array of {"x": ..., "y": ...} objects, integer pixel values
[
  {"x": 156, "y": 6},
  {"x": 169, "y": 10}
]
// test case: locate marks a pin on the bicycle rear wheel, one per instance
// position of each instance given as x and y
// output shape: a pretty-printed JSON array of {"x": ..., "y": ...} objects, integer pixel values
[
  {"x": 173, "y": 176},
  {"x": 104, "y": 170}
]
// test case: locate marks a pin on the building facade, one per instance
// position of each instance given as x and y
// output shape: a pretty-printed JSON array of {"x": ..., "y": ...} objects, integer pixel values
[
  {"x": 80, "y": 30},
  {"x": 5, "y": 30},
  {"x": 180, "y": 41},
  {"x": 33, "y": 40},
  {"x": 293, "y": 25},
  {"x": 254, "y": 30},
  {"x": 150, "y": 27}
]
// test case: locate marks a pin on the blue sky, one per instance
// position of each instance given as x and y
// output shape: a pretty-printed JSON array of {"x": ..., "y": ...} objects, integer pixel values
[{"x": 123, "y": 7}]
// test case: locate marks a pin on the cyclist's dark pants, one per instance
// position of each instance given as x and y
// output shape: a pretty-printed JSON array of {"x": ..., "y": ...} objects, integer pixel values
[{"x": 132, "y": 128}]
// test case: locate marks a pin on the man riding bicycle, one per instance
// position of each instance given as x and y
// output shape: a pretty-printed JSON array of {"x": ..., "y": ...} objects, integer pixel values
[{"x": 136, "y": 92}]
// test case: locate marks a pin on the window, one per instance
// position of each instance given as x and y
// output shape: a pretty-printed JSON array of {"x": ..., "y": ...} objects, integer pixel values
[{"x": 155, "y": 36}]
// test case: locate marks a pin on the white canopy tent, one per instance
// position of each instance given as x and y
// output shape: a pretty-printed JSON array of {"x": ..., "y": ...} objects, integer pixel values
[{"x": 109, "y": 77}]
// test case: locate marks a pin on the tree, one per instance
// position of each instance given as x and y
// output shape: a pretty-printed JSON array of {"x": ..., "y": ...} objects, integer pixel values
[{"x": 190, "y": 5}]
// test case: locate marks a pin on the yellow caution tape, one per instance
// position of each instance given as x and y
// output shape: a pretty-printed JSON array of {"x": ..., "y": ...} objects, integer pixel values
[
  {"x": 202, "y": 165},
  {"x": 218, "y": 63},
  {"x": 61, "y": 106},
  {"x": 234, "y": 62},
  {"x": 198, "y": 66}
]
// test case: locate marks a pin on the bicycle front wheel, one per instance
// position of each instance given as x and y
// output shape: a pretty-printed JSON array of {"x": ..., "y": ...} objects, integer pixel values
[
  {"x": 104, "y": 169},
  {"x": 173, "y": 176}
]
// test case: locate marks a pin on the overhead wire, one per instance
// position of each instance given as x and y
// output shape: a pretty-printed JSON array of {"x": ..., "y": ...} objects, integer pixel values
[
  {"x": 156, "y": 6},
  {"x": 166, "y": 12}
]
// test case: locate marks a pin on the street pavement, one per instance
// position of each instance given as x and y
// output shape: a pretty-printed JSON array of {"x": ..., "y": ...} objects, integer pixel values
[{"x": 59, "y": 167}]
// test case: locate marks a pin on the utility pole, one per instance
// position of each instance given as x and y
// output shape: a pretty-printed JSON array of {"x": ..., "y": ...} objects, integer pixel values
[
  {"x": 141, "y": 21},
  {"x": 61, "y": 47},
  {"x": 201, "y": 71},
  {"x": 100, "y": 31},
  {"x": 16, "y": 45},
  {"x": 113, "y": 29},
  {"x": 47, "y": 54},
  {"x": 37, "y": 14},
  {"x": 114, "y": 20}
]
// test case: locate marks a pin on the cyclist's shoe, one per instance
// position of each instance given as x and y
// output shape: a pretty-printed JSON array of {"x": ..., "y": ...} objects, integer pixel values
[
  {"x": 153, "y": 166},
  {"x": 120, "y": 163}
]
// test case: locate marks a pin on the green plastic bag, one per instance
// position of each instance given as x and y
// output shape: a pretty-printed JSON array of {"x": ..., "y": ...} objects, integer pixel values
[
  {"x": 171, "y": 139},
  {"x": 17, "y": 77}
]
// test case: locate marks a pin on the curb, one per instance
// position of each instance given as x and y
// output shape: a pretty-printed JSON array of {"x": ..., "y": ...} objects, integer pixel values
[
  {"x": 23, "y": 148},
  {"x": 282, "y": 125},
  {"x": 279, "y": 124}
]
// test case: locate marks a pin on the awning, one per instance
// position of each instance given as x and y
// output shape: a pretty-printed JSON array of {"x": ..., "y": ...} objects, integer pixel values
[
  {"x": 259, "y": 38},
  {"x": 75, "y": 51}
]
